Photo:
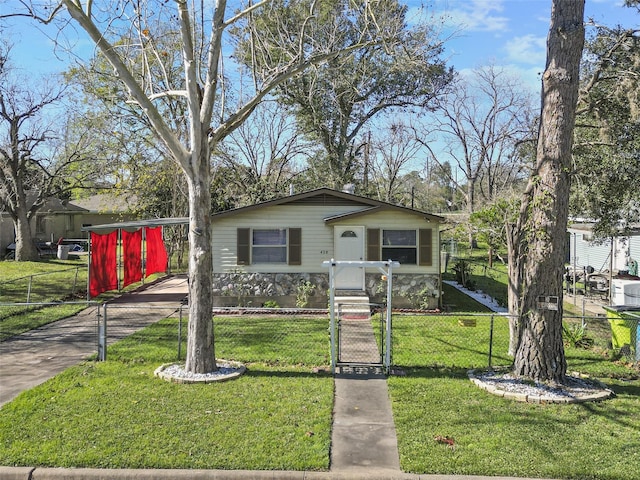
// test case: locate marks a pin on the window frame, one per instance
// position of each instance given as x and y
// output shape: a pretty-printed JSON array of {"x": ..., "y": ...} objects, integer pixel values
[
  {"x": 292, "y": 246},
  {"x": 281, "y": 246},
  {"x": 424, "y": 245},
  {"x": 401, "y": 246}
]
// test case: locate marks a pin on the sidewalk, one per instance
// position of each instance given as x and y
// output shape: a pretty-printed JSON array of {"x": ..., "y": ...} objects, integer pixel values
[{"x": 363, "y": 434}]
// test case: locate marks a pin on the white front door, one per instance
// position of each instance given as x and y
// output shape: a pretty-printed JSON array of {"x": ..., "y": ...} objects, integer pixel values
[{"x": 349, "y": 245}]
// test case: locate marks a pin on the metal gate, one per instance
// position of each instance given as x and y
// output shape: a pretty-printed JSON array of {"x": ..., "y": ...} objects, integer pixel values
[
  {"x": 344, "y": 331},
  {"x": 361, "y": 336}
]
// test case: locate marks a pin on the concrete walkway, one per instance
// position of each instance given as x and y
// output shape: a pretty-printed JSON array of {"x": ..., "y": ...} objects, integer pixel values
[{"x": 363, "y": 433}]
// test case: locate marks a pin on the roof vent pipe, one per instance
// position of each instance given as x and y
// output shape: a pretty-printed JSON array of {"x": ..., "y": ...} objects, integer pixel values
[{"x": 290, "y": 189}]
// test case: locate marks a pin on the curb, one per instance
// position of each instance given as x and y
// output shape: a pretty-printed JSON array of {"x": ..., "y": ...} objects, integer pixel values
[{"x": 30, "y": 473}]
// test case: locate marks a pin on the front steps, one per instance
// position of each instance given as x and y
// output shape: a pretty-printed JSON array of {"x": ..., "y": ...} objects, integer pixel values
[{"x": 352, "y": 304}]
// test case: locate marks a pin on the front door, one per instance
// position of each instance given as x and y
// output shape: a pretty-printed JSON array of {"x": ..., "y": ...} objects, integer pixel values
[{"x": 349, "y": 243}]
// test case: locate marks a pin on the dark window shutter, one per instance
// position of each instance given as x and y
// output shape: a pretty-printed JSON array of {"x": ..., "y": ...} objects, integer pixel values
[
  {"x": 295, "y": 246},
  {"x": 373, "y": 244},
  {"x": 244, "y": 246},
  {"x": 426, "y": 247}
]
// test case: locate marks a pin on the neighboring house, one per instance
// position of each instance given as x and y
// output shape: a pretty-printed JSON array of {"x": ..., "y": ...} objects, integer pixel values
[
  {"x": 65, "y": 219},
  {"x": 55, "y": 219},
  {"x": 105, "y": 208},
  {"x": 584, "y": 252},
  {"x": 272, "y": 249}
]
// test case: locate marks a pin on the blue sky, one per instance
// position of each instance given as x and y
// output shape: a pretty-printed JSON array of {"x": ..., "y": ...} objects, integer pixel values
[{"x": 511, "y": 33}]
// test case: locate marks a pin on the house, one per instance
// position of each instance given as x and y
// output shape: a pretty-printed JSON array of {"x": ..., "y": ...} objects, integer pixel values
[
  {"x": 106, "y": 208},
  {"x": 65, "y": 219},
  {"x": 609, "y": 267},
  {"x": 601, "y": 256},
  {"x": 56, "y": 218},
  {"x": 273, "y": 250}
]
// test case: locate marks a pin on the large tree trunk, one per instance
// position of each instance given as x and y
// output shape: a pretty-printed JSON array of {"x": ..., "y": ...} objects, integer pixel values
[
  {"x": 200, "y": 343},
  {"x": 25, "y": 248},
  {"x": 540, "y": 352}
]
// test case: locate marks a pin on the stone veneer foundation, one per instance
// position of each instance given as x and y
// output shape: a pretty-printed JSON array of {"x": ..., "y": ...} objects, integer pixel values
[{"x": 253, "y": 289}]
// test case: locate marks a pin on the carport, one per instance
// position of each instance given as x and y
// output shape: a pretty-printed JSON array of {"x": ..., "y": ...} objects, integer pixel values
[{"x": 142, "y": 252}]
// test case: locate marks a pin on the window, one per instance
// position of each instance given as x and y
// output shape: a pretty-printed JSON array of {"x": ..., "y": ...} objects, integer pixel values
[
  {"x": 409, "y": 247},
  {"x": 400, "y": 245},
  {"x": 41, "y": 225},
  {"x": 69, "y": 223},
  {"x": 269, "y": 245}
]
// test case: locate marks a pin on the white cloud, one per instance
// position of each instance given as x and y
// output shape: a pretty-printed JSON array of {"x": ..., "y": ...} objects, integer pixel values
[
  {"x": 477, "y": 15},
  {"x": 528, "y": 49}
]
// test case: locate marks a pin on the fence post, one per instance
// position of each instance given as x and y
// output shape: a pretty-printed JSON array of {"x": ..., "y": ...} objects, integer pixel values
[
  {"x": 490, "y": 340},
  {"x": 180, "y": 334},
  {"x": 29, "y": 289},
  {"x": 102, "y": 335},
  {"x": 75, "y": 281}
]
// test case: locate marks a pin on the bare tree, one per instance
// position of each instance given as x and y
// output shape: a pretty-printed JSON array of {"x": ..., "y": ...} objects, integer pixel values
[
  {"x": 334, "y": 102},
  {"x": 36, "y": 154},
  {"x": 264, "y": 155},
  {"x": 206, "y": 34},
  {"x": 392, "y": 150},
  {"x": 481, "y": 120},
  {"x": 542, "y": 225}
]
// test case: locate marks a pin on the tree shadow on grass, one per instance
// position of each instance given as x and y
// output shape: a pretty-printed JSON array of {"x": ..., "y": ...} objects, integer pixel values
[{"x": 261, "y": 370}]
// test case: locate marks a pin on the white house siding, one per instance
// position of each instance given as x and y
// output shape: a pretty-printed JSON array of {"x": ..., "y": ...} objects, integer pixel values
[
  {"x": 397, "y": 220},
  {"x": 589, "y": 254},
  {"x": 254, "y": 284},
  {"x": 317, "y": 237}
]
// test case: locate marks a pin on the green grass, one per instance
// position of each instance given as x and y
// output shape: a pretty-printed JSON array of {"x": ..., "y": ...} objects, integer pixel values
[
  {"x": 278, "y": 415},
  {"x": 16, "y": 320},
  {"x": 491, "y": 281},
  {"x": 494, "y": 436},
  {"x": 436, "y": 340},
  {"x": 51, "y": 281},
  {"x": 115, "y": 414},
  {"x": 456, "y": 301}
]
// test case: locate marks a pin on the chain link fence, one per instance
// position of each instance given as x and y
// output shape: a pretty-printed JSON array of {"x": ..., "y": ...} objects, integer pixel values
[
  {"x": 136, "y": 332},
  {"x": 482, "y": 340},
  {"x": 46, "y": 286}
]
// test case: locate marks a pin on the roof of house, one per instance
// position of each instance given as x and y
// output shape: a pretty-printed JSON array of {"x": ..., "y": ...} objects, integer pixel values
[
  {"x": 106, "y": 203},
  {"x": 328, "y": 197},
  {"x": 320, "y": 196},
  {"x": 587, "y": 227},
  {"x": 52, "y": 205}
]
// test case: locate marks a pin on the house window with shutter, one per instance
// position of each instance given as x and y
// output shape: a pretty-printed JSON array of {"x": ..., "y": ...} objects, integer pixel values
[
  {"x": 426, "y": 247},
  {"x": 409, "y": 247},
  {"x": 41, "y": 225},
  {"x": 269, "y": 246},
  {"x": 400, "y": 245}
]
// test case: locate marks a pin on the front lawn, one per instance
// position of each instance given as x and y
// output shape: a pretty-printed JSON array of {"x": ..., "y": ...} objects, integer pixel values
[
  {"x": 116, "y": 414},
  {"x": 494, "y": 436}
]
